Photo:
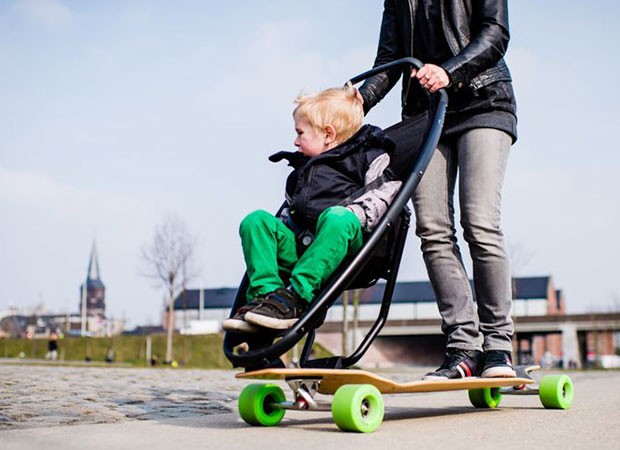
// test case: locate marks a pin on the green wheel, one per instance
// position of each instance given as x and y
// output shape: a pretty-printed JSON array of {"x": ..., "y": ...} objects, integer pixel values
[
  {"x": 358, "y": 407},
  {"x": 255, "y": 404},
  {"x": 556, "y": 391},
  {"x": 485, "y": 397}
]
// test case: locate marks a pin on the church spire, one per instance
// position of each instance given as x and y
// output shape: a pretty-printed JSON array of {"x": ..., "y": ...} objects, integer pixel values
[
  {"x": 93, "y": 264},
  {"x": 95, "y": 289}
]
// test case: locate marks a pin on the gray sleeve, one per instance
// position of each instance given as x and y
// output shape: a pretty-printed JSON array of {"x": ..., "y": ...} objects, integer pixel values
[
  {"x": 372, "y": 205},
  {"x": 376, "y": 168}
]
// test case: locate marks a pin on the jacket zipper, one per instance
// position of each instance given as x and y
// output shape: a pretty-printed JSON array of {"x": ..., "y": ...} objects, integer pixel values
[
  {"x": 412, "y": 12},
  {"x": 306, "y": 182}
]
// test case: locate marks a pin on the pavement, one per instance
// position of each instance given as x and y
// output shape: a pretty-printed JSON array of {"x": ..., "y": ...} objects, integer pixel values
[{"x": 51, "y": 406}]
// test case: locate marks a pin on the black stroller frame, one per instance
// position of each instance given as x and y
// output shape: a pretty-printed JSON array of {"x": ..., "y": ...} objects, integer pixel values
[{"x": 266, "y": 348}]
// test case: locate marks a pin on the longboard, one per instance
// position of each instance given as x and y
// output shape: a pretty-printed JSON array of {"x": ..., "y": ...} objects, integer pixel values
[
  {"x": 357, "y": 403},
  {"x": 332, "y": 379}
]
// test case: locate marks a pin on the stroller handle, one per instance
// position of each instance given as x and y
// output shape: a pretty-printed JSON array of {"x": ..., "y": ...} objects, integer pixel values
[{"x": 409, "y": 61}]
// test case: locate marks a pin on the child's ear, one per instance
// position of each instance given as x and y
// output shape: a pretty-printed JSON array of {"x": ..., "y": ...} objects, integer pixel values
[{"x": 330, "y": 134}]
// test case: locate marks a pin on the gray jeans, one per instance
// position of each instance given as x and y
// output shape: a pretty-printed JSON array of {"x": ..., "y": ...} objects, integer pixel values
[{"x": 480, "y": 157}]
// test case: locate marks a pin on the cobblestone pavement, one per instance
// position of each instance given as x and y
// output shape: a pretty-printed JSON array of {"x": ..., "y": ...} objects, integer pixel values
[
  {"x": 41, "y": 394},
  {"x": 72, "y": 408},
  {"x": 51, "y": 395}
]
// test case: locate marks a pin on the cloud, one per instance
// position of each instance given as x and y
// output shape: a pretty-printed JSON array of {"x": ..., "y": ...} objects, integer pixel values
[
  {"x": 51, "y": 13},
  {"x": 35, "y": 195},
  {"x": 46, "y": 234}
]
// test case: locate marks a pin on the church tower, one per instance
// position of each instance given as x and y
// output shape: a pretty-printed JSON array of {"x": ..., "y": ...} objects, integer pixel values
[{"x": 95, "y": 289}]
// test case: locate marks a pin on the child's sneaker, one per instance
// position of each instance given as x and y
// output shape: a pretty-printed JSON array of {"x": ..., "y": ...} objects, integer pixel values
[
  {"x": 458, "y": 364},
  {"x": 497, "y": 364},
  {"x": 237, "y": 322},
  {"x": 279, "y": 310}
]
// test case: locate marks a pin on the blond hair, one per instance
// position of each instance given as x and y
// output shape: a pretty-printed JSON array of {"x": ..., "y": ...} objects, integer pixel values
[{"x": 339, "y": 107}]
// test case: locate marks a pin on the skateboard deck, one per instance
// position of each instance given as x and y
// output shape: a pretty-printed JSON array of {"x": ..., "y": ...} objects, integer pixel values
[
  {"x": 332, "y": 379},
  {"x": 357, "y": 403}
]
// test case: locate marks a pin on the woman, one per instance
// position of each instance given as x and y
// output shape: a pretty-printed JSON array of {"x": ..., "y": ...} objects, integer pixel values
[{"x": 462, "y": 43}]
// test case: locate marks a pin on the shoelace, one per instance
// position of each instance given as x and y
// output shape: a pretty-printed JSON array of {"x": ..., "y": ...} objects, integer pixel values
[{"x": 452, "y": 359}]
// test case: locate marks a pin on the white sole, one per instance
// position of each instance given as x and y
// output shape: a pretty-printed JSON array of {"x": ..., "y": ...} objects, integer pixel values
[
  {"x": 269, "y": 322},
  {"x": 239, "y": 326},
  {"x": 434, "y": 378},
  {"x": 499, "y": 372}
]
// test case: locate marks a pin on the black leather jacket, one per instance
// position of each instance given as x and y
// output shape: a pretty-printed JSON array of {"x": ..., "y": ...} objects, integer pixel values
[{"x": 477, "y": 34}]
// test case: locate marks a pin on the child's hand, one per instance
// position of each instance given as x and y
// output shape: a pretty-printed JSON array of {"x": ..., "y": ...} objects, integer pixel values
[{"x": 431, "y": 77}]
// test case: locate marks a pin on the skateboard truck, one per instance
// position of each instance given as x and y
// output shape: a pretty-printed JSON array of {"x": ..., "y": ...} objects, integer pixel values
[{"x": 304, "y": 390}]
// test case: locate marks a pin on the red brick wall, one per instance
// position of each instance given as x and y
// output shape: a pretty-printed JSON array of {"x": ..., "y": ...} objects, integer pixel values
[
  {"x": 543, "y": 343},
  {"x": 601, "y": 343},
  {"x": 538, "y": 348},
  {"x": 556, "y": 304},
  {"x": 554, "y": 344}
]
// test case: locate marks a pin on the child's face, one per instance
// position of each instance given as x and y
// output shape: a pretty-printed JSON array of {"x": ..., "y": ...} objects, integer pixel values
[{"x": 310, "y": 141}]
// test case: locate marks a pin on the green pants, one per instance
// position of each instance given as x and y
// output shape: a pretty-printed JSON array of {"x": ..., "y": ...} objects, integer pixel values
[{"x": 272, "y": 258}]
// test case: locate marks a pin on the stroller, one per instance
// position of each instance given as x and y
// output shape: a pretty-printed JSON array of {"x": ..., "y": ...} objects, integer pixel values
[{"x": 379, "y": 258}]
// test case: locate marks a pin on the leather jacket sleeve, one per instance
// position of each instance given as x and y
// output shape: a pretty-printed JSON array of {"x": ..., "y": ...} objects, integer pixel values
[
  {"x": 390, "y": 48},
  {"x": 486, "y": 44},
  {"x": 476, "y": 31}
]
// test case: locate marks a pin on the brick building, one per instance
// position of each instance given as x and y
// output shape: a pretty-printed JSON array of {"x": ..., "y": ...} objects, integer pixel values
[{"x": 412, "y": 334}]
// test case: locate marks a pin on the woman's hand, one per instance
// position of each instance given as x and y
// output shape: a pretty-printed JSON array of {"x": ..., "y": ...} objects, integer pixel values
[{"x": 431, "y": 77}]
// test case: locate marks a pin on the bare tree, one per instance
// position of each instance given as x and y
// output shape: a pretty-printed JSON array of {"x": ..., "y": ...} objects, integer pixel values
[
  {"x": 519, "y": 257},
  {"x": 615, "y": 303},
  {"x": 169, "y": 259}
]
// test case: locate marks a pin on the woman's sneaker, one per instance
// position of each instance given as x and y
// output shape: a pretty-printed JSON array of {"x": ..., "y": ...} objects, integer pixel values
[
  {"x": 279, "y": 310},
  {"x": 458, "y": 364},
  {"x": 497, "y": 364},
  {"x": 237, "y": 322}
]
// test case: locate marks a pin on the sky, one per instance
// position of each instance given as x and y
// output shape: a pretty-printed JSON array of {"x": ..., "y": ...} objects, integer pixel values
[{"x": 117, "y": 114}]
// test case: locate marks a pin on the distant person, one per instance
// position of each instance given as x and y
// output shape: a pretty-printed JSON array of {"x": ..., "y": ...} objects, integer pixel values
[
  {"x": 339, "y": 189},
  {"x": 462, "y": 43},
  {"x": 52, "y": 347},
  {"x": 109, "y": 355}
]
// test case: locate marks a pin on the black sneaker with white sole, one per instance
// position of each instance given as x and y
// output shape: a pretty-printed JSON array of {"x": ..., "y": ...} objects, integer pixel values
[
  {"x": 498, "y": 364},
  {"x": 237, "y": 322},
  {"x": 279, "y": 310},
  {"x": 458, "y": 364}
]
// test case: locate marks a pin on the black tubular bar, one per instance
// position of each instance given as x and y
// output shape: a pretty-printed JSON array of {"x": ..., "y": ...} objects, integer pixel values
[
  {"x": 386, "y": 300},
  {"x": 307, "y": 350},
  {"x": 269, "y": 355},
  {"x": 403, "y": 62}
]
